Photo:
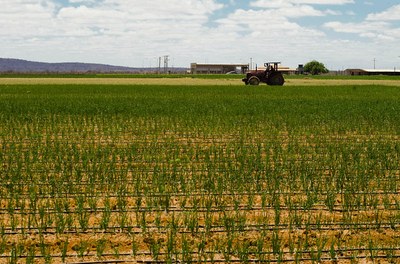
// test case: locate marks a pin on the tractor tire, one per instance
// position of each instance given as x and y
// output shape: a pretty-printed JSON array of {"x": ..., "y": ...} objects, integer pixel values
[
  {"x": 253, "y": 80},
  {"x": 275, "y": 78}
]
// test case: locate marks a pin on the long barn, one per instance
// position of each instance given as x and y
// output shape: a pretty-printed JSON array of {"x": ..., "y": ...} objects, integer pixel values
[
  {"x": 210, "y": 68},
  {"x": 371, "y": 72}
]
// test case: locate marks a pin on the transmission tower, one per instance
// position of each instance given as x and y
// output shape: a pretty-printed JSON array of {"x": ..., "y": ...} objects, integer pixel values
[{"x": 166, "y": 59}]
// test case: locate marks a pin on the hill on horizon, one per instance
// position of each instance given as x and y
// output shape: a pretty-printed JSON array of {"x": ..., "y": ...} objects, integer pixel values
[{"x": 8, "y": 65}]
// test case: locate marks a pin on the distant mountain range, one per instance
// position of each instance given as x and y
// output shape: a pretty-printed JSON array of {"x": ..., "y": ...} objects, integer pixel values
[{"x": 24, "y": 66}]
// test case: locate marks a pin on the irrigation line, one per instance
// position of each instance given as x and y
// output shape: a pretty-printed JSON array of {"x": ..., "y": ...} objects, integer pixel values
[
  {"x": 126, "y": 194},
  {"x": 180, "y": 166},
  {"x": 118, "y": 180},
  {"x": 200, "y": 229},
  {"x": 199, "y": 209},
  {"x": 69, "y": 139},
  {"x": 194, "y": 253},
  {"x": 314, "y": 260},
  {"x": 102, "y": 262}
]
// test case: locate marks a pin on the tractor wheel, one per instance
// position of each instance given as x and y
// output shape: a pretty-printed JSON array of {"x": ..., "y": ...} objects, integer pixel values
[
  {"x": 276, "y": 78},
  {"x": 253, "y": 80}
]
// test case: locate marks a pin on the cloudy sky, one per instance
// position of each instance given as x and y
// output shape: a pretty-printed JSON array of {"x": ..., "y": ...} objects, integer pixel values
[{"x": 340, "y": 33}]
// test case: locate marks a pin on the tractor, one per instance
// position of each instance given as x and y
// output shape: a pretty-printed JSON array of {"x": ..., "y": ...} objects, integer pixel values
[{"x": 271, "y": 75}]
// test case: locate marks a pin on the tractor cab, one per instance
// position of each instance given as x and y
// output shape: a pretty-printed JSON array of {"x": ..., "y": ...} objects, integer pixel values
[{"x": 272, "y": 66}]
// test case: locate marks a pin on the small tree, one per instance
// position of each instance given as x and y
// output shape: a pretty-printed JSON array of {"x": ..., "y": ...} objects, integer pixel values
[{"x": 314, "y": 67}]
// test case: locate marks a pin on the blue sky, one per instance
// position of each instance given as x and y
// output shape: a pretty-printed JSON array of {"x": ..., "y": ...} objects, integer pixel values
[{"x": 340, "y": 33}]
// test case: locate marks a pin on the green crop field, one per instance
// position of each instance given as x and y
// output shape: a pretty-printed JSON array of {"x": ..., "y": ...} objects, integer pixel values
[{"x": 217, "y": 174}]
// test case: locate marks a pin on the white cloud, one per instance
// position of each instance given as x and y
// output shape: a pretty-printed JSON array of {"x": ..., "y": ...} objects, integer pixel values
[
  {"x": 357, "y": 28},
  {"x": 297, "y": 8},
  {"x": 265, "y": 22},
  {"x": 119, "y": 30},
  {"x": 333, "y": 12},
  {"x": 117, "y": 17},
  {"x": 287, "y": 3},
  {"x": 378, "y": 32},
  {"x": 26, "y": 18},
  {"x": 300, "y": 11},
  {"x": 82, "y": 1},
  {"x": 377, "y": 26},
  {"x": 392, "y": 13},
  {"x": 267, "y": 35},
  {"x": 324, "y": 2},
  {"x": 136, "y": 33}
]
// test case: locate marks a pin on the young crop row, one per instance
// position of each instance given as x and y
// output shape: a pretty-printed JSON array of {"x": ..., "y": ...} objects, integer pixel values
[{"x": 199, "y": 174}]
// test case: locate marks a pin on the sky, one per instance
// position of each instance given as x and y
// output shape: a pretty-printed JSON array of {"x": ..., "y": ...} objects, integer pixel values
[{"x": 339, "y": 33}]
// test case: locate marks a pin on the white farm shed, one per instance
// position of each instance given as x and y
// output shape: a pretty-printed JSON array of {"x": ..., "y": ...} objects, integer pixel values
[{"x": 210, "y": 68}]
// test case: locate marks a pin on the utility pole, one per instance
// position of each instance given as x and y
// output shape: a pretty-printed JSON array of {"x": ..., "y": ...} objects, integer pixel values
[
  {"x": 159, "y": 65},
  {"x": 374, "y": 63}
]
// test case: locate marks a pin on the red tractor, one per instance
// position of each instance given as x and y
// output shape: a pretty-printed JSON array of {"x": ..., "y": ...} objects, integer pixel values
[{"x": 271, "y": 75}]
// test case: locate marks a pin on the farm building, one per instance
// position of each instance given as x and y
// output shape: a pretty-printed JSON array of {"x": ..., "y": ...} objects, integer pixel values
[
  {"x": 209, "y": 68},
  {"x": 371, "y": 72}
]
